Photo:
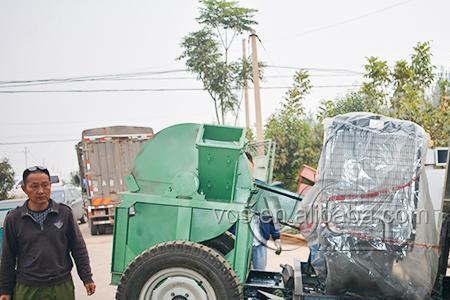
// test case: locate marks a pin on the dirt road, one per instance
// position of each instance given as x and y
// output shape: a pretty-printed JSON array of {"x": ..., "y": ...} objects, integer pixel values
[{"x": 99, "y": 248}]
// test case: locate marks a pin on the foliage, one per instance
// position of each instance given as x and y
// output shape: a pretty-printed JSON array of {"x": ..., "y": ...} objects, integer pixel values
[
  {"x": 6, "y": 178},
  {"x": 226, "y": 15},
  {"x": 352, "y": 102},
  {"x": 371, "y": 97},
  {"x": 206, "y": 52},
  {"x": 297, "y": 136},
  {"x": 374, "y": 90},
  {"x": 438, "y": 124},
  {"x": 400, "y": 92},
  {"x": 249, "y": 135},
  {"x": 411, "y": 81}
]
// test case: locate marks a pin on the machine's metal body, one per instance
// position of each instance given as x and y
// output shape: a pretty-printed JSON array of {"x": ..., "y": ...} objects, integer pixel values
[
  {"x": 263, "y": 157},
  {"x": 189, "y": 185},
  {"x": 177, "y": 194}
]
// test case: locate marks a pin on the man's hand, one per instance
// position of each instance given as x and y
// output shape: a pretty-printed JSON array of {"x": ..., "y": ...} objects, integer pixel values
[
  {"x": 90, "y": 289},
  {"x": 5, "y": 297},
  {"x": 278, "y": 245}
]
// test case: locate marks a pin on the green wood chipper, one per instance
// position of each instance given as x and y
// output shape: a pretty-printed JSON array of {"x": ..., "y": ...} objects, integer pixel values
[
  {"x": 189, "y": 185},
  {"x": 184, "y": 229}
]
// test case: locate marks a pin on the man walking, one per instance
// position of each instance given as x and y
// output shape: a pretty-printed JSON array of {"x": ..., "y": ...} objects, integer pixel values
[{"x": 38, "y": 241}]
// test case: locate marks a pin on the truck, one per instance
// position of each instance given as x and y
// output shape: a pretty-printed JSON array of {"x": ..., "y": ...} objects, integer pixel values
[{"x": 105, "y": 156}]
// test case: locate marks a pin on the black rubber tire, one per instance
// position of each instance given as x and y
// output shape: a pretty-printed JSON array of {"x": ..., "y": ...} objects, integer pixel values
[
  {"x": 180, "y": 254},
  {"x": 93, "y": 228},
  {"x": 223, "y": 244},
  {"x": 101, "y": 229}
]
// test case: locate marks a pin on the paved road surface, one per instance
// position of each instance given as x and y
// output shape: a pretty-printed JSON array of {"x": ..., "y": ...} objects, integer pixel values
[{"x": 99, "y": 248}]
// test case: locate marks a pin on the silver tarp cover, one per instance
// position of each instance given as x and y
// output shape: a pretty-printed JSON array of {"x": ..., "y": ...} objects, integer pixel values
[{"x": 369, "y": 219}]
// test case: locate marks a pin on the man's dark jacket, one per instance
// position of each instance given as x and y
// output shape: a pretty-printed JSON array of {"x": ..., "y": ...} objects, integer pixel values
[{"x": 42, "y": 252}]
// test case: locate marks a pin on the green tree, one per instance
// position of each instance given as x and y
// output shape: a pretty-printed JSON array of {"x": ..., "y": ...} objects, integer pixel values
[
  {"x": 206, "y": 52},
  {"x": 438, "y": 122},
  {"x": 297, "y": 136},
  {"x": 375, "y": 89},
  {"x": 400, "y": 92},
  {"x": 371, "y": 97},
  {"x": 410, "y": 82},
  {"x": 353, "y": 101},
  {"x": 6, "y": 178},
  {"x": 249, "y": 135}
]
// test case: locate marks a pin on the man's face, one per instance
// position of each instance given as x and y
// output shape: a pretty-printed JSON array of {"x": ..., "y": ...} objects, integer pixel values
[{"x": 38, "y": 188}]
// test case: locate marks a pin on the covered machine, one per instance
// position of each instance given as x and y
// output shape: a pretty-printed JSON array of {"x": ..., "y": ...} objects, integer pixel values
[
  {"x": 189, "y": 185},
  {"x": 373, "y": 234}
]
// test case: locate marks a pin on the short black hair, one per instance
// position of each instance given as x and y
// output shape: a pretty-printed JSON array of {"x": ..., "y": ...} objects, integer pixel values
[
  {"x": 249, "y": 156},
  {"x": 36, "y": 169}
]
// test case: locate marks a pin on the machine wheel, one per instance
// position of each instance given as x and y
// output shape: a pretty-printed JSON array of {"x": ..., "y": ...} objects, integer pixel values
[
  {"x": 223, "y": 244},
  {"x": 179, "y": 270}
]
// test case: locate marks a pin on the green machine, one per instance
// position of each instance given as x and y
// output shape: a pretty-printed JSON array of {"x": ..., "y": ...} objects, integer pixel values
[{"x": 189, "y": 185}]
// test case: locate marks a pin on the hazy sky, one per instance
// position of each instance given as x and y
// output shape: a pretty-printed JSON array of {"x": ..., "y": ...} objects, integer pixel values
[{"x": 61, "y": 39}]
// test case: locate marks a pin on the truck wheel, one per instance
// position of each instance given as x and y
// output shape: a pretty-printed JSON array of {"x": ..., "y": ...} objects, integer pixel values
[
  {"x": 179, "y": 270},
  {"x": 101, "y": 229},
  {"x": 93, "y": 228}
]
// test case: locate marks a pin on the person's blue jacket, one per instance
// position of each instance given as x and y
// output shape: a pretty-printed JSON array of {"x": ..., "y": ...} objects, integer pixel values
[{"x": 268, "y": 228}]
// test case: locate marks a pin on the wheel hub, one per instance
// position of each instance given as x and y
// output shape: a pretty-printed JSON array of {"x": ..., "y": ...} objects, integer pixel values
[
  {"x": 177, "y": 284},
  {"x": 179, "y": 288}
]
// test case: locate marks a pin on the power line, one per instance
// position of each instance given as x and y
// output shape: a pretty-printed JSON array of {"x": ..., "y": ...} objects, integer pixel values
[
  {"x": 96, "y": 79},
  {"x": 349, "y": 20},
  {"x": 90, "y": 78},
  {"x": 140, "y": 76},
  {"x": 314, "y": 86},
  {"x": 132, "y": 74},
  {"x": 103, "y": 90},
  {"x": 353, "y": 73},
  {"x": 166, "y": 78},
  {"x": 39, "y": 142},
  {"x": 152, "y": 89},
  {"x": 267, "y": 54},
  {"x": 313, "y": 75},
  {"x": 317, "y": 69}
]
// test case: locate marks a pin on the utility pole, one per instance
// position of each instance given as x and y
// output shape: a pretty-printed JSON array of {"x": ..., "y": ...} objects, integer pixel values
[
  {"x": 246, "y": 108},
  {"x": 26, "y": 157},
  {"x": 259, "y": 131}
]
